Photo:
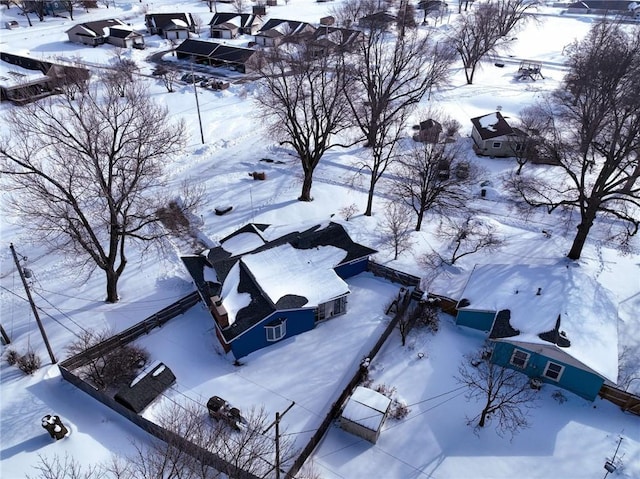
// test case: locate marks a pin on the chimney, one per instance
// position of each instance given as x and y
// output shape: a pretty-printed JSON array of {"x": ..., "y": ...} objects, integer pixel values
[{"x": 219, "y": 312}]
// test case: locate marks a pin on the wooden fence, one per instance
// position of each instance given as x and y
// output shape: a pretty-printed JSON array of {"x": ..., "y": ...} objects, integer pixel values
[
  {"x": 334, "y": 411},
  {"x": 134, "y": 332},
  {"x": 627, "y": 401},
  {"x": 393, "y": 275}
]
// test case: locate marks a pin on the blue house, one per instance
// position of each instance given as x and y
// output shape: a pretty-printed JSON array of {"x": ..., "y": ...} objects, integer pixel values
[
  {"x": 264, "y": 283},
  {"x": 553, "y": 323}
]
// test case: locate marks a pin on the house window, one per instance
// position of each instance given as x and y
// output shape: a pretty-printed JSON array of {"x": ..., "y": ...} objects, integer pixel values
[
  {"x": 276, "y": 330},
  {"x": 340, "y": 305},
  {"x": 497, "y": 144},
  {"x": 519, "y": 358},
  {"x": 553, "y": 371},
  {"x": 518, "y": 147}
]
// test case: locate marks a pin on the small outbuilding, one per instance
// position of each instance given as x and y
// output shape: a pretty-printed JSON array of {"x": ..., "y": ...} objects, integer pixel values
[
  {"x": 146, "y": 387},
  {"x": 493, "y": 136},
  {"x": 364, "y": 413}
]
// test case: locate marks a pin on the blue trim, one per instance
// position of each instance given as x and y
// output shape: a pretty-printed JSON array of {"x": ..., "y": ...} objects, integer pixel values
[{"x": 583, "y": 383}]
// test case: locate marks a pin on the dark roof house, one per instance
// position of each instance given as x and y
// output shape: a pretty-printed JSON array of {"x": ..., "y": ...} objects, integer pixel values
[
  {"x": 265, "y": 283},
  {"x": 93, "y": 33},
  {"x": 172, "y": 26},
  {"x": 275, "y": 31},
  {"x": 229, "y": 24},
  {"x": 493, "y": 136},
  {"x": 605, "y": 7},
  {"x": 329, "y": 39}
]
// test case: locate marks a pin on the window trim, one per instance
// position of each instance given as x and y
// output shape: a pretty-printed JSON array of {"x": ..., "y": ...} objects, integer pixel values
[
  {"x": 526, "y": 360},
  {"x": 276, "y": 330},
  {"x": 560, "y": 372},
  {"x": 496, "y": 144}
]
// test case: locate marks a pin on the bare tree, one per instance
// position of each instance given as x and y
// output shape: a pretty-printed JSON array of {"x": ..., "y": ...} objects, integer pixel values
[
  {"x": 347, "y": 13},
  {"x": 425, "y": 178},
  {"x": 198, "y": 23},
  {"x": 211, "y": 4},
  {"x": 168, "y": 75},
  {"x": 466, "y": 5},
  {"x": 395, "y": 228},
  {"x": 513, "y": 14},
  {"x": 68, "y": 6},
  {"x": 121, "y": 74},
  {"x": 505, "y": 394},
  {"x": 304, "y": 102},
  {"x": 475, "y": 35},
  {"x": 592, "y": 132},
  {"x": 112, "y": 368},
  {"x": 86, "y": 173},
  {"x": 467, "y": 235},
  {"x": 65, "y": 468},
  {"x": 239, "y": 6},
  {"x": 25, "y": 8},
  {"x": 392, "y": 74}
]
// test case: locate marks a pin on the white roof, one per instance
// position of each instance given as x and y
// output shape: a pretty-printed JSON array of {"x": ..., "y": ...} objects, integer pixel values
[
  {"x": 11, "y": 75},
  {"x": 308, "y": 273},
  {"x": 583, "y": 305},
  {"x": 488, "y": 122},
  {"x": 233, "y": 300},
  {"x": 367, "y": 408},
  {"x": 242, "y": 243}
]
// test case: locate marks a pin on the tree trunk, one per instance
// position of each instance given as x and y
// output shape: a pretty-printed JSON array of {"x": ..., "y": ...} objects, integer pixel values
[
  {"x": 583, "y": 232},
  {"x": 419, "y": 222},
  {"x": 579, "y": 241},
  {"x": 306, "y": 187},
  {"x": 369, "y": 209},
  {"x": 483, "y": 417},
  {"x": 112, "y": 287}
]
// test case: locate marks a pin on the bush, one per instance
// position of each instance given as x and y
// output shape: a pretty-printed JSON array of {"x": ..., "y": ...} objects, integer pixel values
[
  {"x": 29, "y": 363},
  {"x": 348, "y": 212},
  {"x": 12, "y": 357},
  {"x": 398, "y": 410}
]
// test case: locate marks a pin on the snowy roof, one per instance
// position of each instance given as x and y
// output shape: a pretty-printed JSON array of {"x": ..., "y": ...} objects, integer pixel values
[
  {"x": 367, "y": 408},
  {"x": 582, "y": 307},
  {"x": 308, "y": 273},
  {"x": 492, "y": 125},
  {"x": 14, "y": 75}
]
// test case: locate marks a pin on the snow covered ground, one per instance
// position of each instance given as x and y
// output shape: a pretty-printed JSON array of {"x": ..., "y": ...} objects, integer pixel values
[{"x": 569, "y": 440}]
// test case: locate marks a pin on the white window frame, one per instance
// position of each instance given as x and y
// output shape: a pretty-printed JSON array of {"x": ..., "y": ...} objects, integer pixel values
[
  {"x": 276, "y": 330},
  {"x": 496, "y": 144},
  {"x": 559, "y": 373},
  {"x": 526, "y": 360}
]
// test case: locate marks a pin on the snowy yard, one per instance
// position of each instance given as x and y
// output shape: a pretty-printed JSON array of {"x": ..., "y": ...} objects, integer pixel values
[{"x": 570, "y": 439}]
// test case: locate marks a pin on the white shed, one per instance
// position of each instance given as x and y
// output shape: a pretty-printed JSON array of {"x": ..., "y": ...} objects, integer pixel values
[{"x": 364, "y": 413}]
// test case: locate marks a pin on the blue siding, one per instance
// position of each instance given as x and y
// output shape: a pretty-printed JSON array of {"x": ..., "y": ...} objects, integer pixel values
[
  {"x": 351, "y": 269},
  {"x": 581, "y": 382},
  {"x": 480, "y": 320},
  {"x": 298, "y": 321}
]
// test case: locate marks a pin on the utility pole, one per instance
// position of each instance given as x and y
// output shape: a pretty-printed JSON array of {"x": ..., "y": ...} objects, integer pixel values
[
  {"x": 276, "y": 423},
  {"x": 33, "y": 305},
  {"x": 195, "y": 91}
]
